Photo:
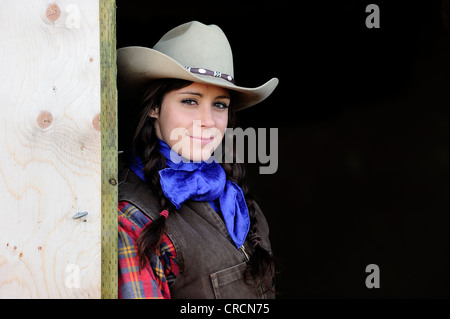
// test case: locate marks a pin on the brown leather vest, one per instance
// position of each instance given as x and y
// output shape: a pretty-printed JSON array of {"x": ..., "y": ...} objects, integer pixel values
[{"x": 210, "y": 264}]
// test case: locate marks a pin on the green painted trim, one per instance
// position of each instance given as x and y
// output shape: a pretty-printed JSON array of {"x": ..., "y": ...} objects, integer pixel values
[{"x": 108, "y": 123}]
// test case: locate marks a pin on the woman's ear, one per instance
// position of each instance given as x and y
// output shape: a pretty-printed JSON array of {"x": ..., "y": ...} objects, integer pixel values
[{"x": 154, "y": 112}]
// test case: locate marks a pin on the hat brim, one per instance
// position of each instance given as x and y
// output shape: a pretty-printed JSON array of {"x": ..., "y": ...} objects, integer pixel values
[{"x": 136, "y": 66}]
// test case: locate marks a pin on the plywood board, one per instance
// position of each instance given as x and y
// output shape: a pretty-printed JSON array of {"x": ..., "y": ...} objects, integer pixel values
[{"x": 50, "y": 149}]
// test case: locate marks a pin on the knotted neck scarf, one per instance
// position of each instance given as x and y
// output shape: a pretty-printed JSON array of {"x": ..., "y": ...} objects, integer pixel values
[{"x": 202, "y": 181}]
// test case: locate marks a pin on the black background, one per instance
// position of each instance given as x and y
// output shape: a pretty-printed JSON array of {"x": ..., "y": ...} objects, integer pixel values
[{"x": 362, "y": 118}]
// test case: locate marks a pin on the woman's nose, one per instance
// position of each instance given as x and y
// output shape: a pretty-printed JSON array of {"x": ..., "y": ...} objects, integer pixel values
[{"x": 207, "y": 116}]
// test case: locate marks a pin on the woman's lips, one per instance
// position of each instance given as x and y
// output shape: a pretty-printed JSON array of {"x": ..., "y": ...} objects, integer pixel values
[{"x": 203, "y": 140}]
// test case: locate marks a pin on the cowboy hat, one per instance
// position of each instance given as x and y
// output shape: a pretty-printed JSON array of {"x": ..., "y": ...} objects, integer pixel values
[{"x": 194, "y": 52}]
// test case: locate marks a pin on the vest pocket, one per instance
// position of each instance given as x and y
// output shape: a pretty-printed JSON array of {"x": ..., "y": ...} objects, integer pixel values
[{"x": 229, "y": 283}]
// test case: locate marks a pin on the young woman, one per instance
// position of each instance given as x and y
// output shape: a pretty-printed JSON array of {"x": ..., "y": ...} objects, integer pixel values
[{"x": 188, "y": 227}]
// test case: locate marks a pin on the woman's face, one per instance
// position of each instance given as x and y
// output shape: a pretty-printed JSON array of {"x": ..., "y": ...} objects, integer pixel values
[{"x": 193, "y": 119}]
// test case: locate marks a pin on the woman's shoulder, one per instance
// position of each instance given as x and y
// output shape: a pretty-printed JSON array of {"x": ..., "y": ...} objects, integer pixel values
[
  {"x": 133, "y": 190},
  {"x": 260, "y": 214},
  {"x": 131, "y": 216},
  {"x": 262, "y": 226}
]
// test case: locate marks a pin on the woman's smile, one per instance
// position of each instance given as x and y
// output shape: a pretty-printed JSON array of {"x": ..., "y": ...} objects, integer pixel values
[{"x": 203, "y": 140}]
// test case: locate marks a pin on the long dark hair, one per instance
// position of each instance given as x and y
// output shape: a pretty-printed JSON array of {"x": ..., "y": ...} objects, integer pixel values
[{"x": 260, "y": 267}]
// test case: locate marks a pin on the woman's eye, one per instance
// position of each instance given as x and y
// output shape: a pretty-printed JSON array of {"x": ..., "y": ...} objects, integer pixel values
[
  {"x": 221, "y": 105},
  {"x": 189, "y": 101}
]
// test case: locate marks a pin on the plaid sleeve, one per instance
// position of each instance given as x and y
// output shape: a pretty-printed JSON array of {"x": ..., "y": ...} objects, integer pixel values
[{"x": 161, "y": 270}]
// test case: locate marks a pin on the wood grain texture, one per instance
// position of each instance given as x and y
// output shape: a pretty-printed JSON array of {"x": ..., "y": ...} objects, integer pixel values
[{"x": 50, "y": 159}]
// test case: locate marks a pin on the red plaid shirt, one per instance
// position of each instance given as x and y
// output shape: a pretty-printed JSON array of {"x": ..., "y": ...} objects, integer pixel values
[{"x": 160, "y": 271}]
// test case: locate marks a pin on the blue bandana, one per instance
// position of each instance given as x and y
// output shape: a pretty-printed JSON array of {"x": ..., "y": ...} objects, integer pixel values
[{"x": 202, "y": 181}]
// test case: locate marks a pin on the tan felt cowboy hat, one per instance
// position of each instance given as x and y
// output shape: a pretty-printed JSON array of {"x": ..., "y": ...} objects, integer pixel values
[{"x": 192, "y": 51}]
